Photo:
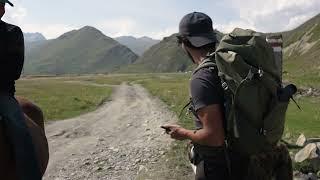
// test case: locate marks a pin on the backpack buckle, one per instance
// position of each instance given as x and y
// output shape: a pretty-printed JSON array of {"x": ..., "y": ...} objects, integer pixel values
[
  {"x": 263, "y": 132},
  {"x": 225, "y": 86},
  {"x": 260, "y": 72}
]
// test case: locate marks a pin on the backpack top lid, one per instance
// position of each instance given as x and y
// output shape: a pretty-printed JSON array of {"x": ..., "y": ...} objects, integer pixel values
[{"x": 253, "y": 49}]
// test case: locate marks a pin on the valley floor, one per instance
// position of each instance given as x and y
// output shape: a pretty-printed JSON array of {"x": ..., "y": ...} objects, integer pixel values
[{"x": 117, "y": 141}]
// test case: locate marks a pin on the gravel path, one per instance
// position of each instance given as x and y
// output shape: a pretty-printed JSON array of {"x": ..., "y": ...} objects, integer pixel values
[{"x": 116, "y": 141}]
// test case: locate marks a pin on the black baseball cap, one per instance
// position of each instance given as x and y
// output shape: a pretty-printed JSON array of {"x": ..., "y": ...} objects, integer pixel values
[
  {"x": 6, "y": 1},
  {"x": 197, "y": 28}
]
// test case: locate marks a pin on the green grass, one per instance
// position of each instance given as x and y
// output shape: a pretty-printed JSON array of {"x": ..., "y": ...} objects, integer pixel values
[
  {"x": 306, "y": 121},
  {"x": 61, "y": 100}
]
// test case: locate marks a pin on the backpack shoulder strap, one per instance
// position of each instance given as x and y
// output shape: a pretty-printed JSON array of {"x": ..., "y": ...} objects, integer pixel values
[{"x": 207, "y": 63}]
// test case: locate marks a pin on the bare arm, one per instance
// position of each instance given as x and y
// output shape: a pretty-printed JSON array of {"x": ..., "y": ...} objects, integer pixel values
[{"x": 212, "y": 133}]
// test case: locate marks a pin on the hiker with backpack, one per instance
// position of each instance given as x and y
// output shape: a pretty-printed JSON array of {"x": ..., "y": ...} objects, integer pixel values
[
  {"x": 238, "y": 102},
  {"x": 23, "y": 145},
  {"x": 199, "y": 40}
]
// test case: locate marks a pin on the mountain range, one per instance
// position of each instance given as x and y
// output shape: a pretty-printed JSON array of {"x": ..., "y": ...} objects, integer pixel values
[
  {"x": 33, "y": 37},
  {"x": 137, "y": 45},
  {"x": 82, "y": 51},
  {"x": 89, "y": 51},
  {"x": 165, "y": 56}
]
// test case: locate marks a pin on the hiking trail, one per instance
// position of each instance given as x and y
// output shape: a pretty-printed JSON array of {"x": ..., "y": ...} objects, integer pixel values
[{"x": 119, "y": 139}]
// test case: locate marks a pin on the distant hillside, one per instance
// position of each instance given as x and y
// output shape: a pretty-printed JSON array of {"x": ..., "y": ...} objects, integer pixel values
[
  {"x": 76, "y": 52},
  {"x": 33, "y": 37},
  {"x": 302, "y": 53},
  {"x": 165, "y": 56},
  {"x": 137, "y": 45}
]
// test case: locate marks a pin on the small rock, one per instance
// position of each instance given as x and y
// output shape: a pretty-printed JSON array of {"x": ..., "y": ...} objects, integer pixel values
[
  {"x": 137, "y": 161},
  {"x": 301, "y": 140},
  {"x": 318, "y": 174},
  {"x": 147, "y": 129},
  {"x": 98, "y": 169},
  {"x": 114, "y": 149},
  {"x": 308, "y": 152},
  {"x": 312, "y": 176},
  {"x": 141, "y": 168},
  {"x": 309, "y": 92}
]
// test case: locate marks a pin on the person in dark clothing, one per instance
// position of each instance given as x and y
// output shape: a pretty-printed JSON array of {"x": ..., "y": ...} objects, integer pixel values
[
  {"x": 198, "y": 40},
  {"x": 11, "y": 53},
  {"x": 23, "y": 143}
]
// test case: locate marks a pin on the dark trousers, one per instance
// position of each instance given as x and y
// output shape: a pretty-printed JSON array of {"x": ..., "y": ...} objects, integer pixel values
[
  {"x": 213, "y": 164},
  {"x": 212, "y": 170}
]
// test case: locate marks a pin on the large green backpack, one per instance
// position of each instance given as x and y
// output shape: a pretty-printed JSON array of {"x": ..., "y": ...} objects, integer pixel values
[{"x": 256, "y": 102}]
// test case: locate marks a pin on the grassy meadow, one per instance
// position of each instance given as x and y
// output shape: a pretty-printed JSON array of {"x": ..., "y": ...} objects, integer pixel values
[{"x": 61, "y": 98}]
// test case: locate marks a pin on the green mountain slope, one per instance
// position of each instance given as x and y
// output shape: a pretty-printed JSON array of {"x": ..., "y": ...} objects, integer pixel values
[
  {"x": 137, "y": 45},
  {"x": 77, "y": 52},
  {"x": 165, "y": 56},
  {"x": 302, "y": 53}
]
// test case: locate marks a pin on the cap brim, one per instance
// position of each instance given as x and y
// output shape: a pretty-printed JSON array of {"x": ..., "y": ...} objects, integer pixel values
[
  {"x": 202, "y": 40},
  {"x": 9, "y": 3}
]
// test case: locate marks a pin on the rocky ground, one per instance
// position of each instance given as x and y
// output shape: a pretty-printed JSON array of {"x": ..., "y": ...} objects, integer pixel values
[{"x": 117, "y": 141}]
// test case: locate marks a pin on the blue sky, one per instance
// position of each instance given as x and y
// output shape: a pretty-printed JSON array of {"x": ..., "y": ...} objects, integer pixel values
[{"x": 156, "y": 18}]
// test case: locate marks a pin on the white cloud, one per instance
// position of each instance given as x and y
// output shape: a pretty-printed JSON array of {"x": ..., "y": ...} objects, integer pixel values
[
  {"x": 50, "y": 31},
  {"x": 266, "y": 16},
  {"x": 296, "y": 20},
  {"x": 129, "y": 27},
  {"x": 276, "y": 15},
  {"x": 117, "y": 27},
  {"x": 16, "y": 15},
  {"x": 227, "y": 28},
  {"x": 161, "y": 34}
]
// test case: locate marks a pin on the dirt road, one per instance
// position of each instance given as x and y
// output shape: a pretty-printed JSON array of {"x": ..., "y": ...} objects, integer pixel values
[{"x": 116, "y": 141}]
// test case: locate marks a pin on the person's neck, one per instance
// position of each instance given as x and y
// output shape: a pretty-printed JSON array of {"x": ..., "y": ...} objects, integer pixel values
[{"x": 200, "y": 59}]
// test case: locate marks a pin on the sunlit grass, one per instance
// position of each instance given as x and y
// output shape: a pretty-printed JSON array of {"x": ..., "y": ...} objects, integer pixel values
[{"x": 59, "y": 99}]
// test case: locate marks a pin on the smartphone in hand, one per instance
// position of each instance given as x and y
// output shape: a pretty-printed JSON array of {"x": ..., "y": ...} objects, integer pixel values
[{"x": 167, "y": 129}]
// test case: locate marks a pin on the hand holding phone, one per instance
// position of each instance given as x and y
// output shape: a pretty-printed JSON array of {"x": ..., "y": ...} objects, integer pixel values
[{"x": 167, "y": 129}]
